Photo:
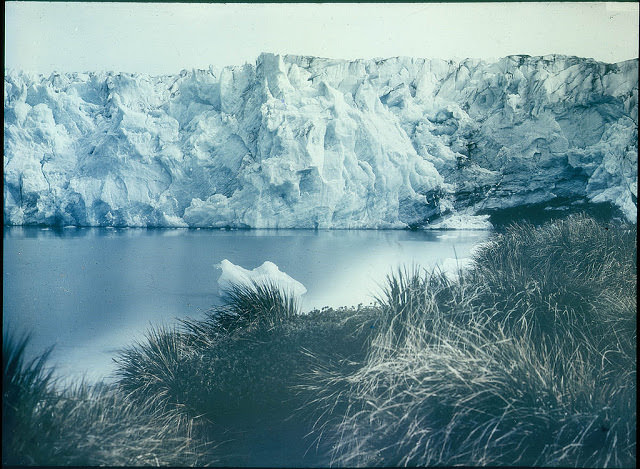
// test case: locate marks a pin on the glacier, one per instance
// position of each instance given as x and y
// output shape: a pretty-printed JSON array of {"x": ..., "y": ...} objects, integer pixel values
[{"x": 306, "y": 142}]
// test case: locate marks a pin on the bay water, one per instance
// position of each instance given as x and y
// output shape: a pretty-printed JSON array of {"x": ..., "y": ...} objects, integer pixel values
[{"x": 89, "y": 292}]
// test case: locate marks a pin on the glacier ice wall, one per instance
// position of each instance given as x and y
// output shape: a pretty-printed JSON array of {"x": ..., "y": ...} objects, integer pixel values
[{"x": 316, "y": 143}]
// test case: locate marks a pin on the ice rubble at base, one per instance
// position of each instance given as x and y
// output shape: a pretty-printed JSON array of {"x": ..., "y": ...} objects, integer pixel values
[
  {"x": 457, "y": 221},
  {"x": 317, "y": 143},
  {"x": 268, "y": 273}
]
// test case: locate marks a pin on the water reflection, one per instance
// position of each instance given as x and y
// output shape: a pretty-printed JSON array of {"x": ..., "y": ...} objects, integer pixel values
[
  {"x": 93, "y": 290},
  {"x": 69, "y": 232}
]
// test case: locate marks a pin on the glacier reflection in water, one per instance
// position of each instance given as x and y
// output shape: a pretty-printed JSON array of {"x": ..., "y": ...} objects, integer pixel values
[{"x": 91, "y": 291}]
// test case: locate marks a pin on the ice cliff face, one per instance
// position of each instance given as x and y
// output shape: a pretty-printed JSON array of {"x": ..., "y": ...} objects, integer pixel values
[{"x": 307, "y": 142}]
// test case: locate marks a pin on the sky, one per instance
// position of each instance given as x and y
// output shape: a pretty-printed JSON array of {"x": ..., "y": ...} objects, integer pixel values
[{"x": 166, "y": 38}]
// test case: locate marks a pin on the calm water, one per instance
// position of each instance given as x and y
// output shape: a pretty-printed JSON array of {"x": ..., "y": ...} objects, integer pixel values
[{"x": 91, "y": 291}]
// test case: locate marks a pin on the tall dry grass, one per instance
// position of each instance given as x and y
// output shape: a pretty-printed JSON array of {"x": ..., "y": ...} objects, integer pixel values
[
  {"x": 234, "y": 375},
  {"x": 528, "y": 359},
  {"x": 81, "y": 424}
]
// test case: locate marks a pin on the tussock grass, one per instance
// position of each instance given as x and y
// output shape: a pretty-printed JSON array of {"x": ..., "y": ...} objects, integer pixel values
[
  {"x": 152, "y": 373},
  {"x": 574, "y": 265},
  {"x": 528, "y": 358},
  {"x": 24, "y": 386},
  {"x": 236, "y": 372},
  {"x": 254, "y": 305},
  {"x": 81, "y": 425},
  {"x": 257, "y": 304},
  {"x": 179, "y": 369}
]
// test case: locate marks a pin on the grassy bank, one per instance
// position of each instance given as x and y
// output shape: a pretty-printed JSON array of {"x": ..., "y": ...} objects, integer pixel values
[
  {"x": 526, "y": 358},
  {"x": 80, "y": 425}
]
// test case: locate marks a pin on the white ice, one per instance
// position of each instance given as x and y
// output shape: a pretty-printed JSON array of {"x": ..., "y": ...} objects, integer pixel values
[
  {"x": 304, "y": 142},
  {"x": 461, "y": 222},
  {"x": 267, "y": 273}
]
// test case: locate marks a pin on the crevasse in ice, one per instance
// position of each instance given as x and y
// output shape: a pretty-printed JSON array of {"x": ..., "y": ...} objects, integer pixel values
[{"x": 306, "y": 142}]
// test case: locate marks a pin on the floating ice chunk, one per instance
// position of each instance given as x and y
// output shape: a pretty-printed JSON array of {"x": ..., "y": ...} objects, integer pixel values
[
  {"x": 454, "y": 235},
  {"x": 268, "y": 272},
  {"x": 462, "y": 222}
]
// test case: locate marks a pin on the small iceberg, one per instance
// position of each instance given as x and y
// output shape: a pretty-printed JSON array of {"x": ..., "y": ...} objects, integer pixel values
[
  {"x": 268, "y": 272},
  {"x": 461, "y": 222}
]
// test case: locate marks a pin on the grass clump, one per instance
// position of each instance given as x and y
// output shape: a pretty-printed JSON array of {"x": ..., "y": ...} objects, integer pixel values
[
  {"x": 81, "y": 425},
  {"x": 571, "y": 267},
  {"x": 205, "y": 365},
  {"x": 24, "y": 386},
  {"x": 234, "y": 375},
  {"x": 256, "y": 304},
  {"x": 526, "y": 359},
  {"x": 152, "y": 373}
]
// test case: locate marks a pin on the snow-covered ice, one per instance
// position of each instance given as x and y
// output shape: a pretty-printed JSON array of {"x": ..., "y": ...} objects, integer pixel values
[
  {"x": 304, "y": 142},
  {"x": 267, "y": 273}
]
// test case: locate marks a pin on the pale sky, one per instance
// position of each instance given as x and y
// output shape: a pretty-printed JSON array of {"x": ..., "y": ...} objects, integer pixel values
[{"x": 166, "y": 38}]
